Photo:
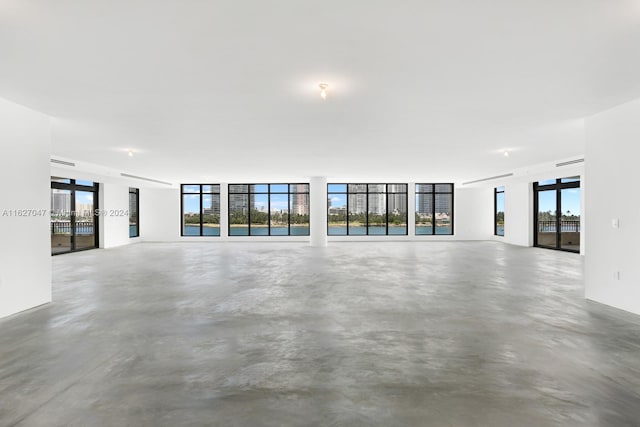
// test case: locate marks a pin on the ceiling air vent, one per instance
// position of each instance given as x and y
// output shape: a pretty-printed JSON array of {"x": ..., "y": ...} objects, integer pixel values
[
  {"x": 488, "y": 179},
  {"x": 62, "y": 162},
  {"x": 126, "y": 175},
  {"x": 570, "y": 162}
]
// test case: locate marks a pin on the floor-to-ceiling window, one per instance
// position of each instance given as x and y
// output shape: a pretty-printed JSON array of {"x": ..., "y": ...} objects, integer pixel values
[
  {"x": 557, "y": 214},
  {"x": 74, "y": 215},
  {"x": 366, "y": 209},
  {"x": 498, "y": 212},
  {"x": 200, "y": 209},
  {"x": 434, "y": 209},
  {"x": 268, "y": 209},
  {"x": 134, "y": 212}
]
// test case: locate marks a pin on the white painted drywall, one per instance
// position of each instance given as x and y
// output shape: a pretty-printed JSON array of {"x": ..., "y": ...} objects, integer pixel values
[
  {"x": 611, "y": 156},
  {"x": 160, "y": 215},
  {"x": 114, "y": 215},
  {"x": 25, "y": 248},
  {"x": 518, "y": 217},
  {"x": 473, "y": 213}
]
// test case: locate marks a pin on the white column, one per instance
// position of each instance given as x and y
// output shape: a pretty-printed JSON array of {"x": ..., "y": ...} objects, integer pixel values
[
  {"x": 318, "y": 214},
  {"x": 224, "y": 211}
]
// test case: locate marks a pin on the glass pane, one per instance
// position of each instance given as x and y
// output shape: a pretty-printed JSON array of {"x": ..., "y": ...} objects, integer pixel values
[
  {"x": 214, "y": 188},
  {"x": 61, "y": 180},
  {"x": 299, "y": 188},
  {"x": 424, "y": 188},
  {"x": 83, "y": 182},
  {"x": 211, "y": 215},
  {"x": 190, "y": 188},
  {"x": 357, "y": 214},
  {"x": 547, "y": 218},
  {"x": 60, "y": 221},
  {"x": 444, "y": 188},
  {"x": 570, "y": 219},
  {"x": 238, "y": 214},
  {"x": 299, "y": 214},
  {"x": 238, "y": 188},
  {"x": 377, "y": 188},
  {"x": 570, "y": 179},
  {"x": 499, "y": 189},
  {"x": 500, "y": 214},
  {"x": 85, "y": 234},
  {"x": 259, "y": 188},
  {"x": 397, "y": 188},
  {"x": 190, "y": 214},
  {"x": 377, "y": 213},
  {"x": 259, "y": 215},
  {"x": 279, "y": 188},
  {"x": 443, "y": 214},
  {"x": 337, "y": 214},
  {"x": 547, "y": 182},
  {"x": 424, "y": 214},
  {"x": 397, "y": 213},
  {"x": 357, "y": 188},
  {"x": 133, "y": 214},
  {"x": 279, "y": 209},
  {"x": 337, "y": 188}
]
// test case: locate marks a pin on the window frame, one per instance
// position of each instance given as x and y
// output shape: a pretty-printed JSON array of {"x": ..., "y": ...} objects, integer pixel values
[
  {"x": 367, "y": 193},
  {"x": 497, "y": 191},
  {"x": 201, "y": 194},
  {"x": 135, "y": 191},
  {"x": 433, "y": 206},
  {"x": 558, "y": 186},
  {"x": 268, "y": 193},
  {"x": 72, "y": 186}
]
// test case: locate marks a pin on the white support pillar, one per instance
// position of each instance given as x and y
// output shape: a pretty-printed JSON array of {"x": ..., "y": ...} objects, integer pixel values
[{"x": 318, "y": 214}]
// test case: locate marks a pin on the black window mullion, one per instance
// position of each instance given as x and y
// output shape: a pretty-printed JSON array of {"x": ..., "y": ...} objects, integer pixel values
[
  {"x": 386, "y": 208},
  {"x": 268, "y": 209}
]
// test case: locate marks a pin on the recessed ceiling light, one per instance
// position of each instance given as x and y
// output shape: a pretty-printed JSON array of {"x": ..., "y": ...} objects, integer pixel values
[
  {"x": 506, "y": 153},
  {"x": 323, "y": 90},
  {"x": 130, "y": 152}
]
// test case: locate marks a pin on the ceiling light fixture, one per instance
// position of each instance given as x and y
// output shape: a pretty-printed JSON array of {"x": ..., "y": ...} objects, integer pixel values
[
  {"x": 130, "y": 153},
  {"x": 323, "y": 90},
  {"x": 506, "y": 153}
]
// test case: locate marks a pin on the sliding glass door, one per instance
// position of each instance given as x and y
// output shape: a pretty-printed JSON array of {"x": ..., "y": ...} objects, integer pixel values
[
  {"x": 557, "y": 214},
  {"x": 74, "y": 223}
]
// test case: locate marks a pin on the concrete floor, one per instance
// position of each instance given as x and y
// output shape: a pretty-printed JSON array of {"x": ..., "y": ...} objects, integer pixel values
[{"x": 356, "y": 334}]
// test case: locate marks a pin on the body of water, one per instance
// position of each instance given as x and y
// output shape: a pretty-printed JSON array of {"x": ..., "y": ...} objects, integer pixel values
[{"x": 194, "y": 230}]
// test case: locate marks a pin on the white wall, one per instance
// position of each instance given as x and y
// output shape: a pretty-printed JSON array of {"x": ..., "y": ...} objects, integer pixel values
[
  {"x": 473, "y": 210},
  {"x": 518, "y": 217},
  {"x": 25, "y": 249},
  {"x": 160, "y": 215},
  {"x": 611, "y": 160},
  {"x": 114, "y": 218}
]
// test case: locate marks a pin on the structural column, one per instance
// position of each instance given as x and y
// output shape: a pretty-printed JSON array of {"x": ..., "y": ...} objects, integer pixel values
[{"x": 318, "y": 213}]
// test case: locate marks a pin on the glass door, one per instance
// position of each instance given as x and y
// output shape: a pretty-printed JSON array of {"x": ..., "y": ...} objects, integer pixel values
[
  {"x": 557, "y": 214},
  {"x": 85, "y": 236},
  {"x": 570, "y": 219},
  {"x": 547, "y": 232},
  {"x": 74, "y": 224},
  {"x": 61, "y": 221}
]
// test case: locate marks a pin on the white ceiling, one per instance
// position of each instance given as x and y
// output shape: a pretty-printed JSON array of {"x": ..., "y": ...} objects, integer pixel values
[{"x": 227, "y": 90}]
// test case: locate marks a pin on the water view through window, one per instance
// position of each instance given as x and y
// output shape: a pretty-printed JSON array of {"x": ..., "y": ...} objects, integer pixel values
[
  {"x": 200, "y": 209},
  {"x": 366, "y": 209},
  {"x": 268, "y": 209},
  {"x": 73, "y": 215},
  {"x": 434, "y": 209}
]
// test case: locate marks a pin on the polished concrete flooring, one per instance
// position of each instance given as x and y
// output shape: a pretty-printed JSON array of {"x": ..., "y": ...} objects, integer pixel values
[{"x": 355, "y": 334}]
